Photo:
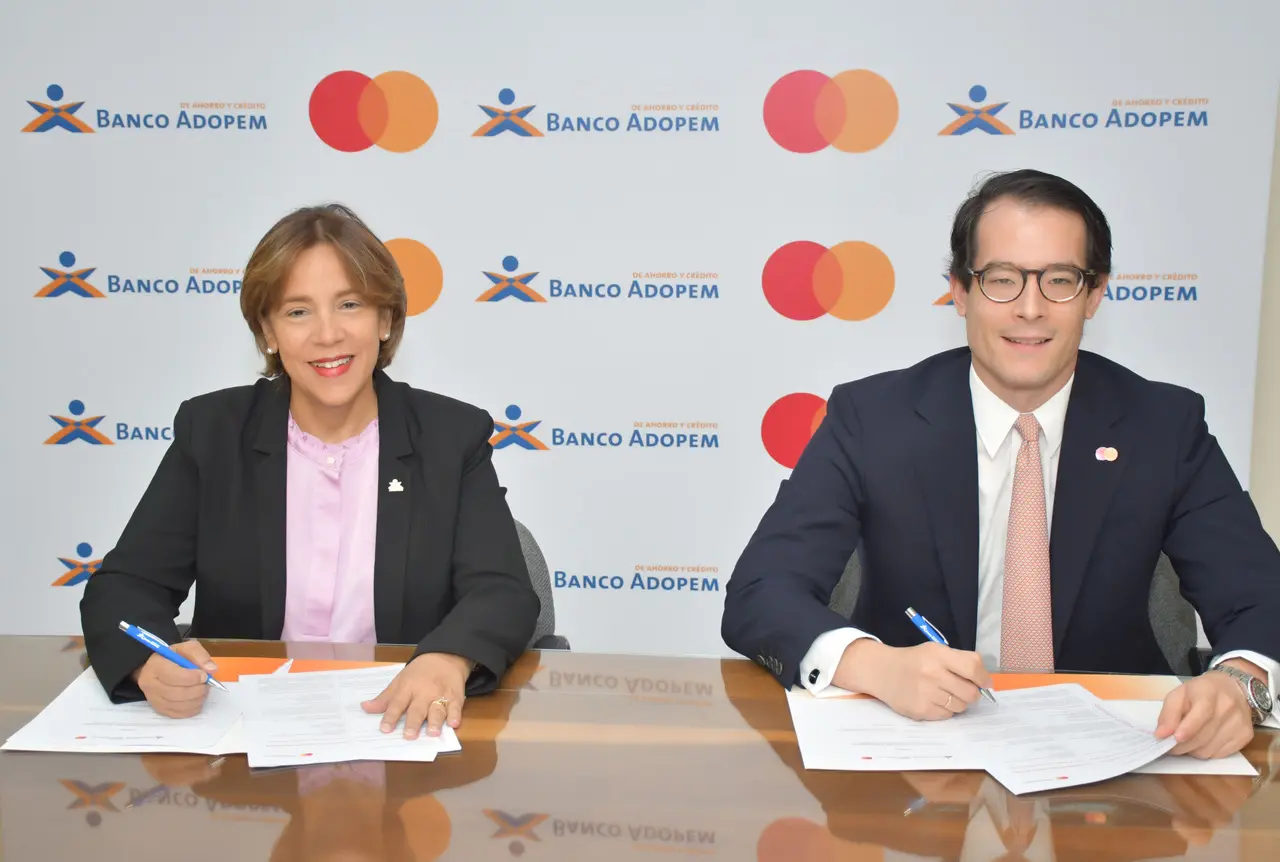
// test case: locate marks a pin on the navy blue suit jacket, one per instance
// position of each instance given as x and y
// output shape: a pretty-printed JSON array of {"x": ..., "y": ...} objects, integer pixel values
[{"x": 892, "y": 472}]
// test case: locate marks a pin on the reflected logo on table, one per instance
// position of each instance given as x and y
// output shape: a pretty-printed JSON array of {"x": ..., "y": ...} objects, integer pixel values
[
  {"x": 807, "y": 111},
  {"x": 77, "y": 427},
  {"x": 77, "y": 570},
  {"x": 94, "y": 797},
  {"x": 788, "y": 425},
  {"x": 516, "y": 827},
  {"x": 52, "y": 115},
  {"x": 850, "y": 281}
]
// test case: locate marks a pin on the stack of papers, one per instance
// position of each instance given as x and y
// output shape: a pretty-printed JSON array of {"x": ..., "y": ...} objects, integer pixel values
[
  {"x": 280, "y": 719},
  {"x": 1034, "y": 739}
]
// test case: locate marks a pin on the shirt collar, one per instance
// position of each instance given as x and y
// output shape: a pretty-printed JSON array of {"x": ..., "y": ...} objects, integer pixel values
[{"x": 994, "y": 419}]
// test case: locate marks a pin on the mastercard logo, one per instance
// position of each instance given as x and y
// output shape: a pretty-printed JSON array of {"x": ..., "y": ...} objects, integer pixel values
[
  {"x": 854, "y": 111},
  {"x": 850, "y": 281},
  {"x": 395, "y": 111},
  {"x": 420, "y": 268},
  {"x": 789, "y": 423}
]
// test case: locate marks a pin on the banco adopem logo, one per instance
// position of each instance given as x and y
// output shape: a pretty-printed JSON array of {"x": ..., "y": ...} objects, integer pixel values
[
  {"x": 68, "y": 280},
  {"x": 854, "y": 111},
  {"x": 642, "y": 117},
  {"x": 976, "y": 117},
  {"x": 74, "y": 428},
  {"x": 78, "y": 568},
  {"x": 51, "y": 115},
  {"x": 1153, "y": 288},
  {"x": 672, "y": 286},
  {"x": 197, "y": 281},
  {"x": 351, "y": 112},
  {"x": 507, "y": 119},
  {"x": 1123, "y": 114},
  {"x": 651, "y": 578},
  {"x": 513, "y": 432},
  {"x": 850, "y": 281},
  {"x": 422, "y": 273},
  {"x": 93, "y": 798},
  {"x": 191, "y": 116},
  {"x": 510, "y": 284},
  {"x": 640, "y": 434},
  {"x": 788, "y": 425},
  {"x": 946, "y": 299}
]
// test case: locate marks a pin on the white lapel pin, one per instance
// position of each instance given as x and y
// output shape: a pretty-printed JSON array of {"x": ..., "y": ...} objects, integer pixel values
[
  {"x": 395, "y": 486},
  {"x": 1106, "y": 453}
]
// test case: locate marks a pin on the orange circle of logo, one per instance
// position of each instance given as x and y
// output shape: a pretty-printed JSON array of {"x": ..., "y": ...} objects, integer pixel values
[
  {"x": 422, "y": 273},
  {"x": 854, "y": 111},
  {"x": 396, "y": 111},
  {"x": 849, "y": 281}
]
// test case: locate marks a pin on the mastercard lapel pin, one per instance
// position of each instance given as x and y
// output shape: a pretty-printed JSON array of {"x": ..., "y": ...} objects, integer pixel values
[{"x": 1106, "y": 453}]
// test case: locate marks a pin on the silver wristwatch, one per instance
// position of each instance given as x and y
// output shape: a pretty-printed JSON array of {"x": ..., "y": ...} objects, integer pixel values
[{"x": 1255, "y": 692}]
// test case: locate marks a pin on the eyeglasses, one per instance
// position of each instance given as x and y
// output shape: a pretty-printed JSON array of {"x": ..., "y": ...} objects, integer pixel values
[{"x": 1058, "y": 283}]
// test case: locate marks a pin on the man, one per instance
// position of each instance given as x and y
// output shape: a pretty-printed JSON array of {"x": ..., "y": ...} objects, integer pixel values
[{"x": 965, "y": 480}]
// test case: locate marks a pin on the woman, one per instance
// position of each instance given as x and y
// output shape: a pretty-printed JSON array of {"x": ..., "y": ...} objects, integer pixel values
[{"x": 324, "y": 503}]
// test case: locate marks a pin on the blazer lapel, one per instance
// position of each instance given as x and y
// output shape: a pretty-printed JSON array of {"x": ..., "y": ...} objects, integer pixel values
[
  {"x": 395, "y": 503},
  {"x": 947, "y": 472},
  {"x": 270, "y": 478},
  {"x": 1085, "y": 485}
]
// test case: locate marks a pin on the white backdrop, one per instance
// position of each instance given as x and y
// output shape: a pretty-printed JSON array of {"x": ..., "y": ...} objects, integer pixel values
[{"x": 1186, "y": 197}]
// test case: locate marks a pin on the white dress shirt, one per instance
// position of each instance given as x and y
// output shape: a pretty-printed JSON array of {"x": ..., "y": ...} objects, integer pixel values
[{"x": 997, "y": 453}]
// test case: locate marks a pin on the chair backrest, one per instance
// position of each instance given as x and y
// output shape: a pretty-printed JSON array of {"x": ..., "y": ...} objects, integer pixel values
[
  {"x": 541, "y": 578},
  {"x": 1172, "y": 618}
]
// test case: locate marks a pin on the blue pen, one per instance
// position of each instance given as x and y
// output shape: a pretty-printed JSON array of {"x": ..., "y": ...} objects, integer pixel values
[
  {"x": 155, "y": 644},
  {"x": 936, "y": 636}
]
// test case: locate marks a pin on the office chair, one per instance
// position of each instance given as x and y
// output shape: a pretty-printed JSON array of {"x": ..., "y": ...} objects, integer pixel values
[
  {"x": 1172, "y": 618},
  {"x": 544, "y": 636}
]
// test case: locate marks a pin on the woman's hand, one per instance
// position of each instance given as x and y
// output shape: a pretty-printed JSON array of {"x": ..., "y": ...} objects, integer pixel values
[{"x": 430, "y": 688}]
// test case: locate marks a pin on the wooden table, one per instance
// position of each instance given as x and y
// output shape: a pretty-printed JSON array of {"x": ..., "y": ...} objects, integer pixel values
[{"x": 592, "y": 757}]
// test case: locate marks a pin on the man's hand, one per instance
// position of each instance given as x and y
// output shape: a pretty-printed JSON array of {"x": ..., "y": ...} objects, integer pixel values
[
  {"x": 417, "y": 692},
  {"x": 925, "y": 682},
  {"x": 174, "y": 691},
  {"x": 1209, "y": 716}
]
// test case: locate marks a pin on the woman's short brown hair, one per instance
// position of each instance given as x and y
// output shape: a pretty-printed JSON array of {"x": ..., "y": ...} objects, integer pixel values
[{"x": 370, "y": 268}]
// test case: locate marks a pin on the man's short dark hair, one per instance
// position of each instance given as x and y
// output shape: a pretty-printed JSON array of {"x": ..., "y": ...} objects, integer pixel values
[{"x": 1039, "y": 189}]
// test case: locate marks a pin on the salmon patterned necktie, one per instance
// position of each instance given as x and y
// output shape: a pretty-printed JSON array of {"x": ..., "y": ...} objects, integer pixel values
[{"x": 1026, "y": 625}]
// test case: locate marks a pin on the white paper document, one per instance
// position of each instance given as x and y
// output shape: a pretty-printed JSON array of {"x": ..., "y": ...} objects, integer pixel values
[
  {"x": 1055, "y": 736},
  {"x": 1145, "y": 714},
  {"x": 304, "y": 718},
  {"x": 1035, "y": 739},
  {"x": 82, "y": 718}
]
